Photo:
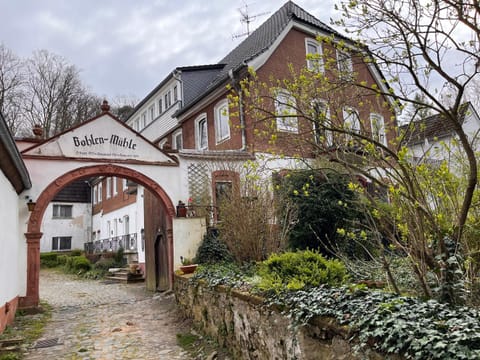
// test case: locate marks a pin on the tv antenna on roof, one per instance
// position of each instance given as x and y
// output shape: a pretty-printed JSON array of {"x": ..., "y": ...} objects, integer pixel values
[{"x": 246, "y": 18}]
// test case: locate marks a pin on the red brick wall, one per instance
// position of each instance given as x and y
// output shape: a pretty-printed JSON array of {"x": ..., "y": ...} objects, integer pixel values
[
  {"x": 116, "y": 201},
  {"x": 291, "y": 51},
  {"x": 7, "y": 313},
  {"x": 188, "y": 129}
]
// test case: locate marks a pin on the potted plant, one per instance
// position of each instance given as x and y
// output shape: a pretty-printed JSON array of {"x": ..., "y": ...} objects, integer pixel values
[{"x": 188, "y": 265}]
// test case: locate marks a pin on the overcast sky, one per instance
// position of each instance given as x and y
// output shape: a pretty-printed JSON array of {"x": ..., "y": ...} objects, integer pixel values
[{"x": 126, "y": 47}]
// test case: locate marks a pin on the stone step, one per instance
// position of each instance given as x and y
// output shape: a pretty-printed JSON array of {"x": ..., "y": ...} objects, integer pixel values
[
  {"x": 124, "y": 275},
  {"x": 125, "y": 279}
]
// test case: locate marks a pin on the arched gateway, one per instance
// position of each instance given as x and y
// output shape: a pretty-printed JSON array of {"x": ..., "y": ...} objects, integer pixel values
[{"x": 102, "y": 146}]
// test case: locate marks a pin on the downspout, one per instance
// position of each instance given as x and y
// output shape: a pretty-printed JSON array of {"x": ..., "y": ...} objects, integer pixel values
[{"x": 240, "y": 110}]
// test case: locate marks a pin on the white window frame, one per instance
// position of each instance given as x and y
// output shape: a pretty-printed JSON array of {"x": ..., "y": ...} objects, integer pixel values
[
  {"x": 344, "y": 64},
  {"x": 144, "y": 120},
  {"x": 222, "y": 121},
  {"x": 168, "y": 99},
  {"x": 160, "y": 106},
  {"x": 287, "y": 120},
  {"x": 100, "y": 192},
  {"x": 151, "y": 111},
  {"x": 162, "y": 143},
  {"x": 198, "y": 140},
  {"x": 175, "y": 93},
  {"x": 315, "y": 65},
  {"x": 115, "y": 189},
  {"x": 57, "y": 211},
  {"x": 136, "y": 124},
  {"x": 59, "y": 240},
  {"x": 351, "y": 119},
  {"x": 109, "y": 187},
  {"x": 124, "y": 184},
  {"x": 95, "y": 192},
  {"x": 377, "y": 122},
  {"x": 175, "y": 135}
]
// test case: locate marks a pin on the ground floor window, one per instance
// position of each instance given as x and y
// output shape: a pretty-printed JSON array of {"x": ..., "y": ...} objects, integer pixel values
[{"x": 61, "y": 243}]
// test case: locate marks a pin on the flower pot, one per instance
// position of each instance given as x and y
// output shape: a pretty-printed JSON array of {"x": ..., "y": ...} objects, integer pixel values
[{"x": 188, "y": 269}]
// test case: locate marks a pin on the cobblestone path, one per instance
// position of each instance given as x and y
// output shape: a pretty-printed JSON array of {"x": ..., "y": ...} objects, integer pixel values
[{"x": 103, "y": 321}]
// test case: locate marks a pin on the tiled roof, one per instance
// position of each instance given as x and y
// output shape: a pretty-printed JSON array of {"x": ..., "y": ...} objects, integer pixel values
[
  {"x": 260, "y": 40},
  {"x": 76, "y": 192},
  {"x": 431, "y": 127},
  {"x": 195, "y": 79},
  {"x": 11, "y": 163}
]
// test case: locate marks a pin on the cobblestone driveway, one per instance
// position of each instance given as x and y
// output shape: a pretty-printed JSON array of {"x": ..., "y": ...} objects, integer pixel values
[{"x": 95, "y": 320}]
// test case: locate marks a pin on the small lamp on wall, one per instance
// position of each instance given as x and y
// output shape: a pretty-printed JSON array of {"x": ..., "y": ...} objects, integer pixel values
[{"x": 30, "y": 203}]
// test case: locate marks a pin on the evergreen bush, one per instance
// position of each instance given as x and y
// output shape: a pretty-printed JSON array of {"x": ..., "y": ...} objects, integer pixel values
[
  {"x": 80, "y": 263},
  {"x": 297, "y": 270},
  {"x": 212, "y": 250},
  {"x": 49, "y": 259}
]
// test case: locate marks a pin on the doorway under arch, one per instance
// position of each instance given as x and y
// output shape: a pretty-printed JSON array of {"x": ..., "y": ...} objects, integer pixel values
[{"x": 34, "y": 234}]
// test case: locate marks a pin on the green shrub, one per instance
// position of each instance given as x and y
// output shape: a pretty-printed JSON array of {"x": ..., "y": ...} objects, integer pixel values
[
  {"x": 324, "y": 203},
  {"x": 76, "y": 252},
  {"x": 212, "y": 250},
  {"x": 93, "y": 258},
  {"x": 62, "y": 259},
  {"x": 80, "y": 263},
  {"x": 75, "y": 264},
  {"x": 119, "y": 257},
  {"x": 104, "y": 264},
  {"x": 49, "y": 259},
  {"x": 296, "y": 270}
]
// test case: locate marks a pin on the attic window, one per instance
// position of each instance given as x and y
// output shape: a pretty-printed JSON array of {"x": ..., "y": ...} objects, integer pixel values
[
  {"x": 314, "y": 55},
  {"x": 345, "y": 65}
]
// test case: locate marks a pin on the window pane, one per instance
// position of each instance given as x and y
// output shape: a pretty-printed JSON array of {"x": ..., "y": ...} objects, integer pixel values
[
  {"x": 62, "y": 211},
  {"x": 222, "y": 123},
  {"x": 285, "y": 106},
  {"x": 202, "y": 131},
  {"x": 345, "y": 66},
  {"x": 314, "y": 56},
  {"x": 65, "y": 243},
  {"x": 178, "y": 141},
  {"x": 55, "y": 243}
]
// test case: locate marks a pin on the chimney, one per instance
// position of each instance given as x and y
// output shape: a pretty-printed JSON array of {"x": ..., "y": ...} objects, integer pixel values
[
  {"x": 105, "y": 107},
  {"x": 37, "y": 131}
]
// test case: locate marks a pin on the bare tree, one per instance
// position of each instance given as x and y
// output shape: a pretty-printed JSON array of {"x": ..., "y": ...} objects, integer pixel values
[
  {"x": 12, "y": 79},
  {"x": 52, "y": 90}
]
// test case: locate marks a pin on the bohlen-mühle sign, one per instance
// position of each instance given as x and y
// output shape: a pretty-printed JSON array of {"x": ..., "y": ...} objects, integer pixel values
[{"x": 90, "y": 140}]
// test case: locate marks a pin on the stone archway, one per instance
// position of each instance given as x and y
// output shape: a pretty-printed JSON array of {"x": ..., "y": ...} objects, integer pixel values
[{"x": 34, "y": 234}]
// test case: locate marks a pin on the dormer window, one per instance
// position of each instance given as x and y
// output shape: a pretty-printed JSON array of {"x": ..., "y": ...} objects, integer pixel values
[
  {"x": 222, "y": 122},
  {"x": 152, "y": 112},
  {"x": 314, "y": 55},
  {"x": 160, "y": 106},
  {"x": 175, "y": 93}
]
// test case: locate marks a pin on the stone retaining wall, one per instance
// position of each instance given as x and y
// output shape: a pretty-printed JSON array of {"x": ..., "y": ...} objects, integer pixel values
[{"x": 239, "y": 322}]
